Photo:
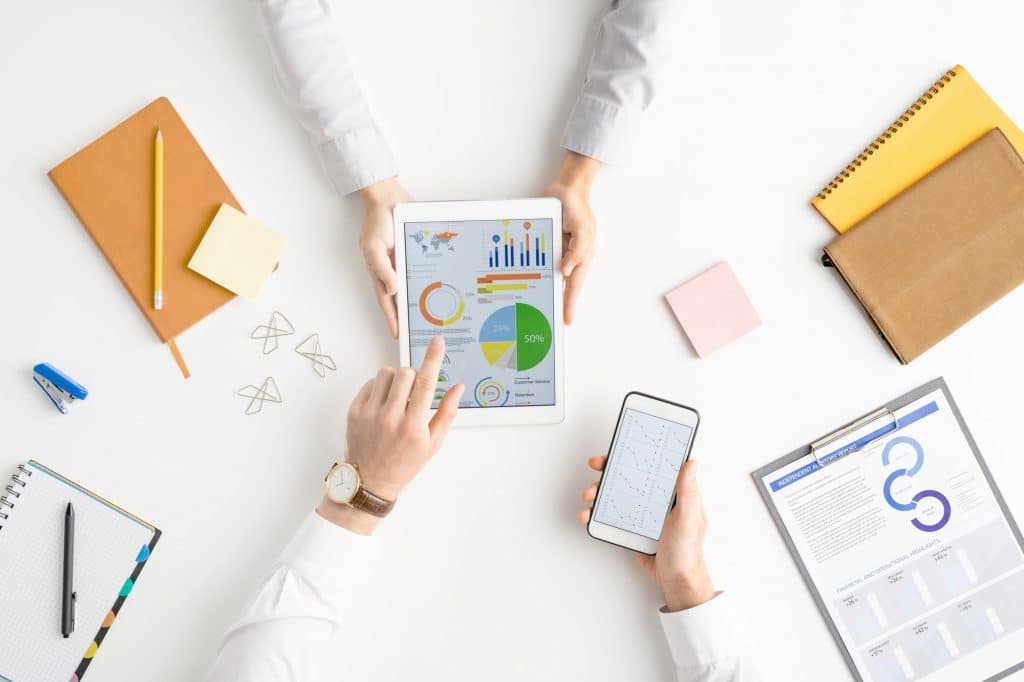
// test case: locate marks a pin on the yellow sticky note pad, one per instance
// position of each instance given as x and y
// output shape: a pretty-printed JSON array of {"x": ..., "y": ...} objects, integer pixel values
[{"x": 237, "y": 252}]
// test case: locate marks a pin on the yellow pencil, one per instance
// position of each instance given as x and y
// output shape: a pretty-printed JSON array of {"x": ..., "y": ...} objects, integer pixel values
[{"x": 158, "y": 221}]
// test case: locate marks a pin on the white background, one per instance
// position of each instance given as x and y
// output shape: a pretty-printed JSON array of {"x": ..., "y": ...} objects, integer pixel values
[{"x": 483, "y": 569}]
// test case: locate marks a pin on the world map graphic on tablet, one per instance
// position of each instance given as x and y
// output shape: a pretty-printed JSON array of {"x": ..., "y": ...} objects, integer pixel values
[{"x": 487, "y": 286}]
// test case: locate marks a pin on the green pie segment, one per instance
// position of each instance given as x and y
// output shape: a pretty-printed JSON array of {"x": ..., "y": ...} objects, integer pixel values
[
  {"x": 516, "y": 337},
  {"x": 533, "y": 336}
]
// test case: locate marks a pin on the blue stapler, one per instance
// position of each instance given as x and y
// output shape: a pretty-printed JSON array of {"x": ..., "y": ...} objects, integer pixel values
[{"x": 61, "y": 389}]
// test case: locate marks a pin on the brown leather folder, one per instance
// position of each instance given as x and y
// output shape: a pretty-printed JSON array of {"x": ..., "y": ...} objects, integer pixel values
[
  {"x": 109, "y": 185},
  {"x": 941, "y": 251}
]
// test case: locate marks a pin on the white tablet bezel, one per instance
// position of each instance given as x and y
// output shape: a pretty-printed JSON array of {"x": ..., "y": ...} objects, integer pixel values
[
  {"x": 673, "y": 412},
  {"x": 511, "y": 209}
]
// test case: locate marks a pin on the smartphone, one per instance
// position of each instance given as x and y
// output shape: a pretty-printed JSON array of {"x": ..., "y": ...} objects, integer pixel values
[{"x": 651, "y": 442}]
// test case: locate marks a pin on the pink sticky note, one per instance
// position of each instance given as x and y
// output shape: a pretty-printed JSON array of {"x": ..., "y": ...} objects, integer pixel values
[{"x": 713, "y": 309}]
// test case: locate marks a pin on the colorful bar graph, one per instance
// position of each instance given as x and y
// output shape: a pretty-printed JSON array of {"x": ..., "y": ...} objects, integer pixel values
[
  {"x": 506, "y": 255},
  {"x": 508, "y": 287},
  {"x": 491, "y": 288},
  {"x": 488, "y": 279}
]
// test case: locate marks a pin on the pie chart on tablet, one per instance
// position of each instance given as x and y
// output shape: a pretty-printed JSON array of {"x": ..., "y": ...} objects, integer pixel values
[{"x": 516, "y": 337}]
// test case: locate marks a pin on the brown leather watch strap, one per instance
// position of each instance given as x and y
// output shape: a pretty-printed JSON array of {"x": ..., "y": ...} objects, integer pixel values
[{"x": 366, "y": 501}]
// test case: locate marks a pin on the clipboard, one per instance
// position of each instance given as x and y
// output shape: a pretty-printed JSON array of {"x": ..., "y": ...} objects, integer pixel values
[{"x": 885, "y": 421}]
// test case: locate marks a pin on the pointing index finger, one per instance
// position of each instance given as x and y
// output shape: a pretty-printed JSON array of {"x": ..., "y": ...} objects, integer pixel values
[{"x": 426, "y": 379}]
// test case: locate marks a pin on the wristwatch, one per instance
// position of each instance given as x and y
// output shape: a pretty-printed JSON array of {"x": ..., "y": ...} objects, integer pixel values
[{"x": 344, "y": 486}]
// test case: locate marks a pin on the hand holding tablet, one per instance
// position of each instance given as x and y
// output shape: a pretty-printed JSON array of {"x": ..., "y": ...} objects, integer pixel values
[
  {"x": 377, "y": 242},
  {"x": 484, "y": 274},
  {"x": 571, "y": 186}
]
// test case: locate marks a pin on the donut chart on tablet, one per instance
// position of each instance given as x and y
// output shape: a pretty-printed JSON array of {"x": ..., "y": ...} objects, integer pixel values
[
  {"x": 491, "y": 393},
  {"x": 516, "y": 337},
  {"x": 441, "y": 304}
]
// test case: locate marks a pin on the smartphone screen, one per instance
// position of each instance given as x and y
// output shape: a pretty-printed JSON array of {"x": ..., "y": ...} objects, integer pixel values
[{"x": 640, "y": 475}]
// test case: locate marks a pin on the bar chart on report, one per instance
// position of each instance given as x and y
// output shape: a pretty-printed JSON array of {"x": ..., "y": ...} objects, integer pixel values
[{"x": 951, "y": 600}]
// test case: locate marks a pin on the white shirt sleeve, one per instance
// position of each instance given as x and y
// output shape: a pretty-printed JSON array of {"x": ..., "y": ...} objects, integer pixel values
[
  {"x": 705, "y": 646},
  {"x": 628, "y": 67},
  {"x": 283, "y": 635},
  {"x": 316, "y": 78}
]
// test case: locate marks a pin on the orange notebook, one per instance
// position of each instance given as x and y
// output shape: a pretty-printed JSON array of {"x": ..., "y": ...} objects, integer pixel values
[{"x": 109, "y": 186}]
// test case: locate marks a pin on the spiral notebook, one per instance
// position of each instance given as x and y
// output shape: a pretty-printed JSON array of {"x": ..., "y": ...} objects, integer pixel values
[
  {"x": 111, "y": 548},
  {"x": 951, "y": 114}
]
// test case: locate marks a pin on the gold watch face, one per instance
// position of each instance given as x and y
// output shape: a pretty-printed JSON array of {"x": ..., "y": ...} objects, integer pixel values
[{"x": 342, "y": 483}]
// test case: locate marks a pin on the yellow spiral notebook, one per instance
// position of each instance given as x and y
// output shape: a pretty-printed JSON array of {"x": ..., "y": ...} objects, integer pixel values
[{"x": 951, "y": 114}]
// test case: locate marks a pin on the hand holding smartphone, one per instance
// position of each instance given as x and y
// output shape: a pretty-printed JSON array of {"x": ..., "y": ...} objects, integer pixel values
[{"x": 652, "y": 440}]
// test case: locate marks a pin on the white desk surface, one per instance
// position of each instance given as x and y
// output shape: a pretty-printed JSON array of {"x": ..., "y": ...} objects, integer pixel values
[{"x": 484, "y": 570}]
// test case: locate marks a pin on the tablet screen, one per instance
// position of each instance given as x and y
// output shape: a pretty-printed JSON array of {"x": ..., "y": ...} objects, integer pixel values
[{"x": 487, "y": 286}]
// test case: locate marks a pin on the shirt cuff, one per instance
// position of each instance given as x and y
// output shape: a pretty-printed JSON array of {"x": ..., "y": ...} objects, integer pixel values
[
  {"x": 599, "y": 129},
  {"x": 326, "y": 555},
  {"x": 701, "y": 636},
  {"x": 357, "y": 159}
]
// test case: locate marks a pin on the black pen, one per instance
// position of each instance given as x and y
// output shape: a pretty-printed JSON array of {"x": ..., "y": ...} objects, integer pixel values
[{"x": 67, "y": 606}]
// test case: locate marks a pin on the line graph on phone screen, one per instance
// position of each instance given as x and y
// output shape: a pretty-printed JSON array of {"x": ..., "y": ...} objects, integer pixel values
[{"x": 641, "y": 473}]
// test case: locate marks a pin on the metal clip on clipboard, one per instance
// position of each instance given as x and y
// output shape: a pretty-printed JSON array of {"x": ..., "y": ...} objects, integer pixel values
[{"x": 851, "y": 428}]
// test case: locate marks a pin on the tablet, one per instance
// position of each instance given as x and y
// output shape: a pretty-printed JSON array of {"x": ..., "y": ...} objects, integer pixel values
[{"x": 484, "y": 274}]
